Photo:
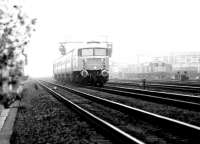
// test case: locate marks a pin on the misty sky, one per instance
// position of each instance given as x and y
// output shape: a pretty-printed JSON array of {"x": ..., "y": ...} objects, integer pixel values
[{"x": 150, "y": 27}]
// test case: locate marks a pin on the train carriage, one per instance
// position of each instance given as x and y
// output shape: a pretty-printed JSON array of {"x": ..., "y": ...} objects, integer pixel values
[{"x": 86, "y": 63}]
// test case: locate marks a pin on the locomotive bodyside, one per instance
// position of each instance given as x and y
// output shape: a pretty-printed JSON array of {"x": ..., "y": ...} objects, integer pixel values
[{"x": 88, "y": 64}]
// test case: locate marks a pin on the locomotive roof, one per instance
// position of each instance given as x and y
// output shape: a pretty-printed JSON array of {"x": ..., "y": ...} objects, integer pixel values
[
  {"x": 74, "y": 46},
  {"x": 90, "y": 44}
]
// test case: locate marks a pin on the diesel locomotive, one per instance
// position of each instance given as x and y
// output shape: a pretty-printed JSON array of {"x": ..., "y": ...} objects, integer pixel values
[{"x": 84, "y": 63}]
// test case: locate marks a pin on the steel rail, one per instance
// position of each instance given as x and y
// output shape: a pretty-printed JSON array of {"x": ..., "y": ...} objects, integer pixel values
[
  {"x": 191, "y": 98},
  {"x": 116, "y": 133},
  {"x": 197, "y": 85},
  {"x": 169, "y": 123},
  {"x": 177, "y": 87},
  {"x": 126, "y": 83},
  {"x": 179, "y": 83},
  {"x": 183, "y": 88},
  {"x": 163, "y": 100}
]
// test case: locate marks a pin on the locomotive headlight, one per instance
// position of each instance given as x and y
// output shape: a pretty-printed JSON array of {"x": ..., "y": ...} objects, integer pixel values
[
  {"x": 104, "y": 73},
  {"x": 84, "y": 73}
]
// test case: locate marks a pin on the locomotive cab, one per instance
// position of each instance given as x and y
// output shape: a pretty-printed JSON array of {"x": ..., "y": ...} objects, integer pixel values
[{"x": 95, "y": 62}]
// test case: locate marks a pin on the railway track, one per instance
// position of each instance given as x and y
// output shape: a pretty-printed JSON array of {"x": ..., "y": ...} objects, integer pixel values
[
  {"x": 165, "y": 122},
  {"x": 106, "y": 127},
  {"x": 181, "y": 83},
  {"x": 183, "y": 88},
  {"x": 178, "y": 100},
  {"x": 177, "y": 82},
  {"x": 176, "y": 96},
  {"x": 173, "y": 87}
]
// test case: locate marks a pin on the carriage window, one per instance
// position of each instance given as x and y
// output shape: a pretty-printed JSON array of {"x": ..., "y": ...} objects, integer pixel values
[
  {"x": 87, "y": 52},
  {"x": 99, "y": 52}
]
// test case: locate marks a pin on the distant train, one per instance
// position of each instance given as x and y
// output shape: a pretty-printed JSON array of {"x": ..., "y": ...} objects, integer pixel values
[{"x": 84, "y": 63}]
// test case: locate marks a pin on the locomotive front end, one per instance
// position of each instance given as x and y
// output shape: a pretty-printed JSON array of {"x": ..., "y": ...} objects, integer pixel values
[{"x": 95, "y": 64}]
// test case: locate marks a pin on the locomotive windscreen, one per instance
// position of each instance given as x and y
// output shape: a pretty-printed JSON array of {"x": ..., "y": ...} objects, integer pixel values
[
  {"x": 99, "y": 52},
  {"x": 93, "y": 52},
  {"x": 87, "y": 52}
]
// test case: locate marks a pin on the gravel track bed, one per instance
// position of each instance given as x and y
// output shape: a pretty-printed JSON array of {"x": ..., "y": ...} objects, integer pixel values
[
  {"x": 184, "y": 115},
  {"x": 41, "y": 119},
  {"x": 133, "y": 125}
]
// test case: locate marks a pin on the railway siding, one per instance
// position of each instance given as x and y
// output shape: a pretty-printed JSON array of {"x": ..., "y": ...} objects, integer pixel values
[
  {"x": 186, "y": 115},
  {"x": 190, "y": 98},
  {"x": 163, "y": 86},
  {"x": 148, "y": 97}
]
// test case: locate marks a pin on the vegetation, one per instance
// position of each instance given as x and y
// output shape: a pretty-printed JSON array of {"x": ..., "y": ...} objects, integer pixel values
[{"x": 15, "y": 33}]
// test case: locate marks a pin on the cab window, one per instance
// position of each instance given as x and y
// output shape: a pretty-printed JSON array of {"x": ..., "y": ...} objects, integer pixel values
[
  {"x": 92, "y": 52},
  {"x": 99, "y": 52},
  {"x": 87, "y": 52}
]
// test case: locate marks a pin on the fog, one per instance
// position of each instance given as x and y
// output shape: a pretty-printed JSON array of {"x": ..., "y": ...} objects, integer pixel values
[{"x": 147, "y": 28}]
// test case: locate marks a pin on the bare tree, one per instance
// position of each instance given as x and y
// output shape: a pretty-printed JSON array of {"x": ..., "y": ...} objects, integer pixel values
[{"x": 15, "y": 33}]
